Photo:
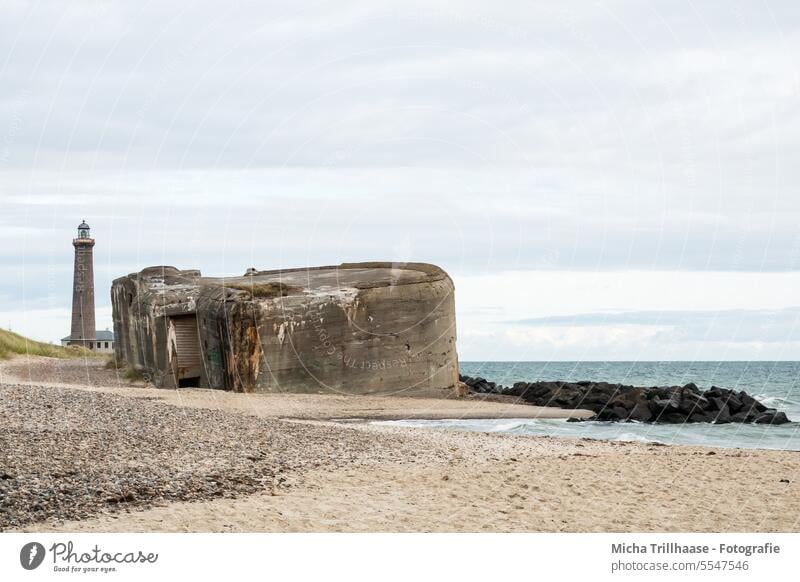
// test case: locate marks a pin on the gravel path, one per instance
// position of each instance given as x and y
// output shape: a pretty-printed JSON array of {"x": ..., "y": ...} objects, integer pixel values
[
  {"x": 69, "y": 454},
  {"x": 84, "y": 372}
]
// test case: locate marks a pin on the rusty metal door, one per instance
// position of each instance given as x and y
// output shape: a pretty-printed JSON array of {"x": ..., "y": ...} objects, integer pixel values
[{"x": 187, "y": 359}]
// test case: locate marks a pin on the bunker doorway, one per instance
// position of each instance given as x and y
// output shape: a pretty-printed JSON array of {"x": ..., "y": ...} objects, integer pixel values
[{"x": 184, "y": 350}]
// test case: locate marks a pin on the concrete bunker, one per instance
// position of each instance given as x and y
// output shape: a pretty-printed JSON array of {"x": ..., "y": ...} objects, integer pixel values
[{"x": 353, "y": 328}]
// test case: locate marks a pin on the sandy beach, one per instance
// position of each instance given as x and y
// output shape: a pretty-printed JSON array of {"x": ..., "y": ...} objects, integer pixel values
[{"x": 83, "y": 450}]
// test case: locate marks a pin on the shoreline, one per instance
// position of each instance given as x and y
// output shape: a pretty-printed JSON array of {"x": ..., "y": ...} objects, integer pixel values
[
  {"x": 503, "y": 484},
  {"x": 226, "y": 462},
  {"x": 646, "y": 441}
]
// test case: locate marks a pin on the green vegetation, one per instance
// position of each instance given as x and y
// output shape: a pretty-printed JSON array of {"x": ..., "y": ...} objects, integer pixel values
[{"x": 12, "y": 344}]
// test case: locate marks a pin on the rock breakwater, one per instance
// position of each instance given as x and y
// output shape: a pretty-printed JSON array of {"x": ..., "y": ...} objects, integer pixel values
[{"x": 657, "y": 404}]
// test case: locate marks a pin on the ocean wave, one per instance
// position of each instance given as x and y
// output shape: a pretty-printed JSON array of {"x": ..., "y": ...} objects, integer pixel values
[
  {"x": 633, "y": 437},
  {"x": 784, "y": 437},
  {"x": 772, "y": 401}
]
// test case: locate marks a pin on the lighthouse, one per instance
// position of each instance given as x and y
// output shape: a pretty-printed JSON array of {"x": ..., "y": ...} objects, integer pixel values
[{"x": 83, "y": 325}]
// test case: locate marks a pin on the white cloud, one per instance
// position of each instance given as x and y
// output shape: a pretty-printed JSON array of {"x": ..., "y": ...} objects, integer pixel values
[
  {"x": 549, "y": 315},
  {"x": 519, "y": 295},
  {"x": 538, "y": 144},
  {"x": 48, "y": 325}
]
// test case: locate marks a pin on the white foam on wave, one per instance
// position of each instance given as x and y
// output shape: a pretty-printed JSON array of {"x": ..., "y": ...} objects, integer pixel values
[
  {"x": 770, "y": 401},
  {"x": 507, "y": 426},
  {"x": 704, "y": 434},
  {"x": 631, "y": 437}
]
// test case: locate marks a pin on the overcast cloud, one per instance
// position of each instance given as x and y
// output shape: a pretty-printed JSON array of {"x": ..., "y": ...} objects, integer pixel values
[{"x": 534, "y": 150}]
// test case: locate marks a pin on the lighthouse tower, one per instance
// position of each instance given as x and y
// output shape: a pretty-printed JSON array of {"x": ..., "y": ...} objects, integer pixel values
[{"x": 83, "y": 326}]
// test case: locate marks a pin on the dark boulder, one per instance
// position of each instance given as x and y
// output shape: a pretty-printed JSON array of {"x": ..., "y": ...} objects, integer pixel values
[
  {"x": 692, "y": 401},
  {"x": 722, "y": 416},
  {"x": 673, "y": 418},
  {"x": 702, "y": 416},
  {"x": 607, "y": 414},
  {"x": 620, "y": 413},
  {"x": 641, "y": 413},
  {"x": 771, "y": 416},
  {"x": 670, "y": 403},
  {"x": 734, "y": 403},
  {"x": 740, "y": 417},
  {"x": 594, "y": 398},
  {"x": 749, "y": 402}
]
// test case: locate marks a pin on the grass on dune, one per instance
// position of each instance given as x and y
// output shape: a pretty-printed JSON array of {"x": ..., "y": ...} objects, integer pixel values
[{"x": 12, "y": 344}]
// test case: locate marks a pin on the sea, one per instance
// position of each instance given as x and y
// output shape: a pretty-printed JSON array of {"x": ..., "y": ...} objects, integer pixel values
[{"x": 776, "y": 384}]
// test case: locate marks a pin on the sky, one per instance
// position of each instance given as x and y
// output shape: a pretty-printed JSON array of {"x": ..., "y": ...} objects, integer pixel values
[{"x": 603, "y": 180}]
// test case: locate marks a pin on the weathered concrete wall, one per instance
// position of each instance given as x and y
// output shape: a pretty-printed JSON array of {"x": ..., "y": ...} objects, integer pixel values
[
  {"x": 141, "y": 304},
  {"x": 381, "y": 339},
  {"x": 355, "y": 328}
]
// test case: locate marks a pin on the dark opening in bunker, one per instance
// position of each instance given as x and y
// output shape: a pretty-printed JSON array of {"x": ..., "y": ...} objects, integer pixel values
[{"x": 185, "y": 350}]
